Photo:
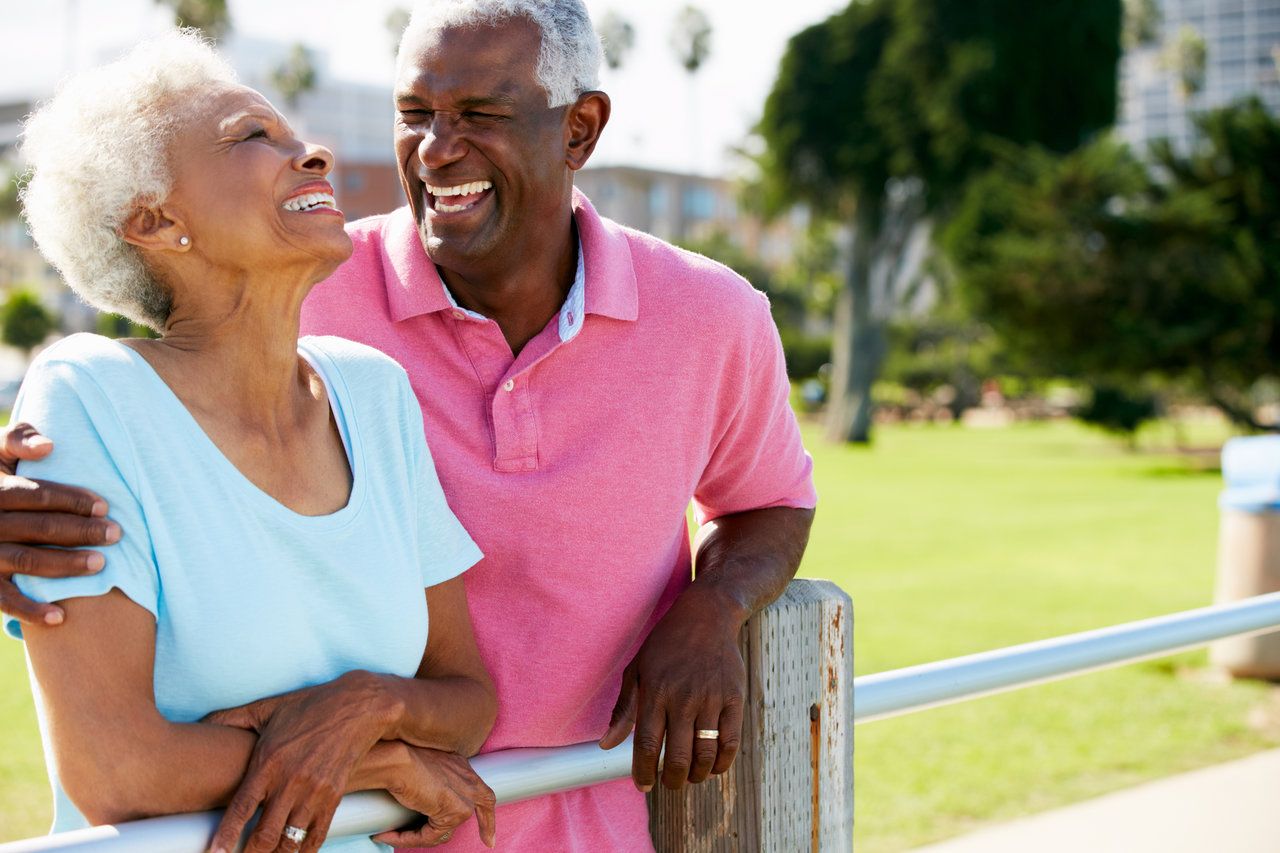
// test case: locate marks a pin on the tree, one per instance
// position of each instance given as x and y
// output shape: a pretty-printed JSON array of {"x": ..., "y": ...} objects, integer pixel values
[
  {"x": 9, "y": 205},
  {"x": 1100, "y": 266},
  {"x": 691, "y": 38},
  {"x": 24, "y": 321},
  {"x": 296, "y": 75},
  {"x": 618, "y": 37},
  {"x": 881, "y": 114},
  {"x": 397, "y": 21},
  {"x": 210, "y": 16},
  {"x": 1186, "y": 56}
]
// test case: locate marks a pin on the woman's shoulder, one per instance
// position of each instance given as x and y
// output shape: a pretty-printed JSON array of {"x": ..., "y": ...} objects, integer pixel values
[
  {"x": 351, "y": 357},
  {"x": 84, "y": 366},
  {"x": 91, "y": 353}
]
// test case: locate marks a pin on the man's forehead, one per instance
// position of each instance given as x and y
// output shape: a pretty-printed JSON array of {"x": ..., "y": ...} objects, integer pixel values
[{"x": 498, "y": 59}]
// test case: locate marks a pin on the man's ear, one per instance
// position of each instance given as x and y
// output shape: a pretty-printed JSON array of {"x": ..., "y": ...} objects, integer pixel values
[
  {"x": 152, "y": 228},
  {"x": 586, "y": 120}
]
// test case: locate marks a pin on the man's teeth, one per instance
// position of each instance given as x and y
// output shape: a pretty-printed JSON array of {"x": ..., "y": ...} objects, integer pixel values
[
  {"x": 461, "y": 189},
  {"x": 309, "y": 201},
  {"x": 471, "y": 189}
]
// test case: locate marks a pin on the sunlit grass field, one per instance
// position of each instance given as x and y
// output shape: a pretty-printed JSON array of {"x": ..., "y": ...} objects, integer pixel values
[{"x": 954, "y": 540}]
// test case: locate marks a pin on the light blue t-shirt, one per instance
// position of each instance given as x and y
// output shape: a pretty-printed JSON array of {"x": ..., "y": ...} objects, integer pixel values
[{"x": 250, "y": 598}]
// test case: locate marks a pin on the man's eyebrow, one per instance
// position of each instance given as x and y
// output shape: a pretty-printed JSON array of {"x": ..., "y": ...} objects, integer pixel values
[{"x": 487, "y": 101}]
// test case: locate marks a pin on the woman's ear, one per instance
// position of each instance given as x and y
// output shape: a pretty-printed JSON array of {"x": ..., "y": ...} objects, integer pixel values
[{"x": 152, "y": 228}]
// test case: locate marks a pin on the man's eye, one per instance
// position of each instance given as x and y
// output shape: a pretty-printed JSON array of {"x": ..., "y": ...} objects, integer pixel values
[
  {"x": 260, "y": 133},
  {"x": 415, "y": 116}
]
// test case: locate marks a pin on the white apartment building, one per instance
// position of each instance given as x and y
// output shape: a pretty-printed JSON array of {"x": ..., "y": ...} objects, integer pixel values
[{"x": 1242, "y": 57}]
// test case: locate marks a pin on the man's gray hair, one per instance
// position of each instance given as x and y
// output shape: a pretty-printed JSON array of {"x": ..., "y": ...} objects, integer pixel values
[
  {"x": 97, "y": 151},
  {"x": 569, "y": 61}
]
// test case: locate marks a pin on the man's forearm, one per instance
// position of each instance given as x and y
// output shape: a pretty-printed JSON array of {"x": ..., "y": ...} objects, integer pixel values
[
  {"x": 451, "y": 714},
  {"x": 744, "y": 561}
]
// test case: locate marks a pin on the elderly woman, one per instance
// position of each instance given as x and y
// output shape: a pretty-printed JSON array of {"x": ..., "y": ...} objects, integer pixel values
[{"x": 282, "y": 514}]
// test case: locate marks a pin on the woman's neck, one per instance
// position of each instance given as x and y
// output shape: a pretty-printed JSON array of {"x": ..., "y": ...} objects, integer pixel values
[{"x": 239, "y": 358}]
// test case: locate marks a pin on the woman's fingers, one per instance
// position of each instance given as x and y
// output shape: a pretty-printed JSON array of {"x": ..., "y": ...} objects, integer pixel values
[
  {"x": 237, "y": 816},
  {"x": 269, "y": 834}
]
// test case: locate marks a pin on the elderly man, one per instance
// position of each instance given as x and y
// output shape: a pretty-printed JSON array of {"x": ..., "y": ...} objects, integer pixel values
[{"x": 581, "y": 383}]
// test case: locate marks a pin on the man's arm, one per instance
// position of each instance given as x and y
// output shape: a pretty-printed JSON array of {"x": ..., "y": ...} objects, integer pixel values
[
  {"x": 689, "y": 674},
  {"x": 33, "y": 513}
]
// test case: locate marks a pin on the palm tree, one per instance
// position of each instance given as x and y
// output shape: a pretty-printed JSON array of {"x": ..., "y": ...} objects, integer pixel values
[
  {"x": 691, "y": 41},
  {"x": 618, "y": 37},
  {"x": 396, "y": 22},
  {"x": 1186, "y": 55},
  {"x": 209, "y": 16},
  {"x": 296, "y": 75}
]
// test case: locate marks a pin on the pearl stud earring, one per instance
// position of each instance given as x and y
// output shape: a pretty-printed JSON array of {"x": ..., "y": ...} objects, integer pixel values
[{"x": 184, "y": 240}]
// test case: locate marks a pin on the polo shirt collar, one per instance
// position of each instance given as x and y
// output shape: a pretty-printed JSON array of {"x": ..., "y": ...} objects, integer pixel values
[{"x": 605, "y": 282}]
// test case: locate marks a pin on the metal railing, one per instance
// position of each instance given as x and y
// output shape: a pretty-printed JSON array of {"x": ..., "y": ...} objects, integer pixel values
[
  {"x": 523, "y": 773},
  {"x": 915, "y": 688}
]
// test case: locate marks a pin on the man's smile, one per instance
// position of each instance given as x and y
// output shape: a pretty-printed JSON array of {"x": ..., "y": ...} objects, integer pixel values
[{"x": 457, "y": 198}]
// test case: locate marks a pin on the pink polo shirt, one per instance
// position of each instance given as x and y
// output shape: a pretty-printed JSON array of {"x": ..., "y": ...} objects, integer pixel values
[{"x": 572, "y": 466}]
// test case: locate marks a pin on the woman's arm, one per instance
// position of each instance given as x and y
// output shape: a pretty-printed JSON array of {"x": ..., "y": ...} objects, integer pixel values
[
  {"x": 450, "y": 705},
  {"x": 117, "y": 757}
]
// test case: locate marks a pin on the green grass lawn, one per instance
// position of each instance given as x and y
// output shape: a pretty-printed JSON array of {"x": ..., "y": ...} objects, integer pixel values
[{"x": 953, "y": 541}]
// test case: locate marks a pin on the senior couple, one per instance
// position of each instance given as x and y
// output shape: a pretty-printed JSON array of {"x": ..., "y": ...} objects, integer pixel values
[{"x": 384, "y": 494}]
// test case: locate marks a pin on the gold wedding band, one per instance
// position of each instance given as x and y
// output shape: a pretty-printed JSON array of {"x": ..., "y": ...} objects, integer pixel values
[{"x": 707, "y": 734}]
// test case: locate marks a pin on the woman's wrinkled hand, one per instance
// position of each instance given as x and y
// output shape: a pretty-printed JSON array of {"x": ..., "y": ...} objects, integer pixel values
[
  {"x": 308, "y": 744},
  {"x": 443, "y": 787}
]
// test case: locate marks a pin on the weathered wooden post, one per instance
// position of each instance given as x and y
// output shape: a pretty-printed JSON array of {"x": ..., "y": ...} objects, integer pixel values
[{"x": 791, "y": 788}]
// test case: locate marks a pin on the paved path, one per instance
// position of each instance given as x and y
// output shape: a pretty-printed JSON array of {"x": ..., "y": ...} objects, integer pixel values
[{"x": 1228, "y": 808}]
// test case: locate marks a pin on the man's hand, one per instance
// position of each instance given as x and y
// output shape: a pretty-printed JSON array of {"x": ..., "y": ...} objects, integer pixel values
[
  {"x": 33, "y": 512},
  {"x": 687, "y": 677},
  {"x": 444, "y": 787},
  {"x": 309, "y": 742}
]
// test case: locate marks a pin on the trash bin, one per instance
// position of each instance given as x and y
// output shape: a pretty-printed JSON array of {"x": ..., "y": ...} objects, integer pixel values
[{"x": 1249, "y": 548}]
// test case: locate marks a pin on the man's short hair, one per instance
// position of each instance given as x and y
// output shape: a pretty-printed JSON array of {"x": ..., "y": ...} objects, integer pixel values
[{"x": 569, "y": 61}]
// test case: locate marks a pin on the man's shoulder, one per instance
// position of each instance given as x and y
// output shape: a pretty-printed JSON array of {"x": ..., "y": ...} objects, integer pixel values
[{"x": 668, "y": 275}]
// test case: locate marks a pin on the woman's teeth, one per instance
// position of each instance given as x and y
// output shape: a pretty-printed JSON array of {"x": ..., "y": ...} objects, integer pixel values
[{"x": 309, "y": 201}]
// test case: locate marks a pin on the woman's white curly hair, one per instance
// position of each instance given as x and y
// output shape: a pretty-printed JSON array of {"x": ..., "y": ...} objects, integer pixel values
[
  {"x": 569, "y": 62},
  {"x": 97, "y": 151}
]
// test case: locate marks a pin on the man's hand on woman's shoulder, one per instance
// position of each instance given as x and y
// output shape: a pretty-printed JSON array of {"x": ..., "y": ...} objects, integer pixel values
[{"x": 35, "y": 513}]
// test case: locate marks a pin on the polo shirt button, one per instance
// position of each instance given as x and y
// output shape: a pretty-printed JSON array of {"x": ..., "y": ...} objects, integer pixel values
[
  {"x": 458, "y": 315},
  {"x": 508, "y": 385},
  {"x": 570, "y": 318}
]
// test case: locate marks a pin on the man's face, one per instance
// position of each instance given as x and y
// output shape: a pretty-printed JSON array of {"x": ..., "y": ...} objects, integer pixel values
[{"x": 482, "y": 157}]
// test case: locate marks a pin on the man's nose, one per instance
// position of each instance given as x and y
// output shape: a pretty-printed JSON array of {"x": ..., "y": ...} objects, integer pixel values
[{"x": 441, "y": 143}]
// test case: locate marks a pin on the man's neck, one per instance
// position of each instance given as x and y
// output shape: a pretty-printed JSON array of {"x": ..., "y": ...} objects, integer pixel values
[{"x": 520, "y": 298}]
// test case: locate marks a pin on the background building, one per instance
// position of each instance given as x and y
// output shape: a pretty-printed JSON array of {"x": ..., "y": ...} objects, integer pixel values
[{"x": 1241, "y": 57}]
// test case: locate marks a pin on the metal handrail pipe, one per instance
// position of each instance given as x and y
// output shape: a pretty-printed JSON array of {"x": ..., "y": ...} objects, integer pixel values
[
  {"x": 915, "y": 688},
  {"x": 513, "y": 774}
]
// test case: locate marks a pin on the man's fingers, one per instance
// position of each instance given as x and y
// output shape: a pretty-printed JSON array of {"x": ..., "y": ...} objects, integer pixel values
[
  {"x": 23, "y": 441},
  {"x": 730, "y": 735},
  {"x": 57, "y": 528},
  {"x": 26, "y": 611},
  {"x": 22, "y": 494},
  {"x": 705, "y": 749},
  {"x": 623, "y": 718},
  {"x": 47, "y": 562},
  {"x": 678, "y": 755},
  {"x": 651, "y": 724}
]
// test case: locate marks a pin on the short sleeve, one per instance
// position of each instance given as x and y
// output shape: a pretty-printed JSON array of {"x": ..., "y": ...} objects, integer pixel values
[
  {"x": 91, "y": 449},
  {"x": 759, "y": 460},
  {"x": 447, "y": 550}
]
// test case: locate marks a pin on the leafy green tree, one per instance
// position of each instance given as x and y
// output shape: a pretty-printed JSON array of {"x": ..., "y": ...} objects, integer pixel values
[
  {"x": 296, "y": 75},
  {"x": 212, "y": 17},
  {"x": 9, "y": 206},
  {"x": 1100, "y": 266},
  {"x": 691, "y": 38},
  {"x": 881, "y": 114},
  {"x": 1120, "y": 411},
  {"x": 24, "y": 321},
  {"x": 1186, "y": 56}
]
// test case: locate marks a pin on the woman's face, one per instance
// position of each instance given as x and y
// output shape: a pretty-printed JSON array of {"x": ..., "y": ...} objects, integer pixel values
[{"x": 251, "y": 196}]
